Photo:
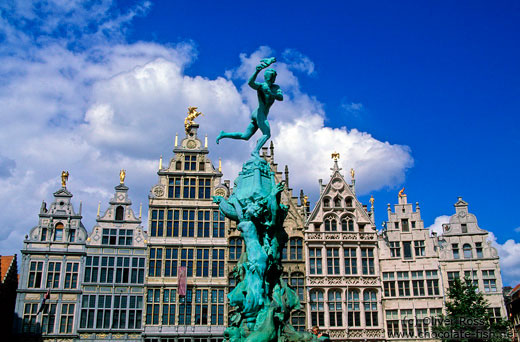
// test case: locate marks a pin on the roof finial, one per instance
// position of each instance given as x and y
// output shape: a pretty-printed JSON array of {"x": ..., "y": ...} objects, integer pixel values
[
  {"x": 206, "y": 141},
  {"x": 160, "y": 163},
  {"x": 401, "y": 193},
  {"x": 176, "y": 139},
  {"x": 122, "y": 175},
  {"x": 219, "y": 164},
  {"x": 335, "y": 156},
  {"x": 192, "y": 114},
  {"x": 352, "y": 173},
  {"x": 64, "y": 178},
  {"x": 140, "y": 210},
  {"x": 98, "y": 208}
]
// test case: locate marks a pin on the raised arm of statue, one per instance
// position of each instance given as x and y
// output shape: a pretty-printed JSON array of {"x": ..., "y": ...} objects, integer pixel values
[{"x": 252, "y": 79}]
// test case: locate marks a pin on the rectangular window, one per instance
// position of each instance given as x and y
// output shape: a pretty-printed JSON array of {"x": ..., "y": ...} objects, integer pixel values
[
  {"x": 104, "y": 308},
  {"x": 123, "y": 270},
  {"x": 489, "y": 280},
  {"x": 407, "y": 249},
  {"x": 153, "y": 306},
  {"x": 174, "y": 187},
  {"x": 403, "y": 284},
  {"x": 203, "y": 223},
  {"x": 66, "y": 318},
  {"x": 432, "y": 283},
  {"x": 71, "y": 275},
  {"x": 404, "y": 225},
  {"x": 370, "y": 306},
  {"x": 125, "y": 236},
  {"x": 171, "y": 259},
  {"x": 392, "y": 322},
  {"x": 168, "y": 308},
  {"x": 396, "y": 225},
  {"x": 137, "y": 271},
  {"x": 155, "y": 262},
  {"x": 189, "y": 187},
  {"x": 109, "y": 237},
  {"x": 188, "y": 223},
  {"x": 187, "y": 260},
  {"x": 296, "y": 248},
  {"x": 395, "y": 249},
  {"x": 353, "y": 309},
  {"x": 185, "y": 307},
  {"x": 204, "y": 188},
  {"x": 88, "y": 312},
  {"x": 217, "y": 267},
  {"x": 201, "y": 306},
  {"x": 422, "y": 323},
  {"x": 464, "y": 227},
  {"x": 203, "y": 262},
  {"x": 407, "y": 322},
  {"x": 420, "y": 249},
  {"x": 413, "y": 224},
  {"x": 235, "y": 248},
  {"x": 332, "y": 261},
  {"x": 49, "y": 319},
  {"x": 478, "y": 247},
  {"x": 315, "y": 260},
  {"x": 190, "y": 162},
  {"x": 350, "y": 261},
  {"x": 35, "y": 275},
  {"x": 418, "y": 286},
  {"x": 455, "y": 249},
  {"x": 219, "y": 221},
  {"x": 217, "y": 307},
  {"x": 53, "y": 275},
  {"x": 389, "y": 284},
  {"x": 367, "y": 260},
  {"x": 29, "y": 324},
  {"x": 471, "y": 277},
  {"x": 317, "y": 308},
  {"x": 451, "y": 277}
]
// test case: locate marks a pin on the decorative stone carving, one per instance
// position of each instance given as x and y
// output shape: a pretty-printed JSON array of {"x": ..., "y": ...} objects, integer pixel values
[{"x": 158, "y": 191}]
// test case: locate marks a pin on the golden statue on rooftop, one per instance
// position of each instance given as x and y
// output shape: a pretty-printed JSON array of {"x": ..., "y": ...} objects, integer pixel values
[
  {"x": 192, "y": 114},
  {"x": 352, "y": 173},
  {"x": 64, "y": 178},
  {"x": 122, "y": 175},
  {"x": 401, "y": 193},
  {"x": 335, "y": 156}
]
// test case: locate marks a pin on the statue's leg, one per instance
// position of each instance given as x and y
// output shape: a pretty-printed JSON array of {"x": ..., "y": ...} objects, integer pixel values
[
  {"x": 266, "y": 131},
  {"x": 250, "y": 130}
]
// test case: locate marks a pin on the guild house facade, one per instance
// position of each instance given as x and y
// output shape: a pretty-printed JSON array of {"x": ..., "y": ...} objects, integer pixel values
[{"x": 167, "y": 280}]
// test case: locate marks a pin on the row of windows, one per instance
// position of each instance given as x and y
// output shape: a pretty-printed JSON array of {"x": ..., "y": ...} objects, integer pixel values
[
  {"x": 58, "y": 234},
  {"x": 187, "y": 223},
  {"x": 467, "y": 250},
  {"x": 489, "y": 281},
  {"x": 404, "y": 224},
  {"x": 111, "y": 312},
  {"x": 118, "y": 270},
  {"x": 348, "y": 261},
  {"x": 341, "y": 311},
  {"x": 121, "y": 237},
  {"x": 197, "y": 262},
  {"x": 54, "y": 319},
  {"x": 190, "y": 163},
  {"x": 337, "y": 202},
  {"x": 420, "y": 285},
  {"x": 189, "y": 187},
  {"x": 421, "y": 321},
  {"x": 54, "y": 278},
  {"x": 331, "y": 224},
  {"x": 418, "y": 250},
  {"x": 197, "y": 307}
]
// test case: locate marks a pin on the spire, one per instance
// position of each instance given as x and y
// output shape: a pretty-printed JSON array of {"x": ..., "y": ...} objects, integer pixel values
[{"x": 335, "y": 157}]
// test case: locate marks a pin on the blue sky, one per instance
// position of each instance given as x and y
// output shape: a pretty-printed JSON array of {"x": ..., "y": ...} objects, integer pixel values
[{"x": 414, "y": 94}]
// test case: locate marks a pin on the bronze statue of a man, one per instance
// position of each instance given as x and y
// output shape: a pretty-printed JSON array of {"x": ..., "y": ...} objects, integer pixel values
[{"x": 267, "y": 93}]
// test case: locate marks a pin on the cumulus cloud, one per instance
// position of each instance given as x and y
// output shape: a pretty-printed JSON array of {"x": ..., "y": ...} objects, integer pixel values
[
  {"x": 509, "y": 261},
  {"x": 437, "y": 224},
  {"x": 108, "y": 104}
]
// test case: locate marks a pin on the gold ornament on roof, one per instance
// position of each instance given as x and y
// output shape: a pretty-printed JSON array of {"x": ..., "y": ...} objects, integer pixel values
[
  {"x": 335, "y": 156},
  {"x": 64, "y": 178},
  {"x": 401, "y": 193},
  {"x": 372, "y": 200},
  {"x": 122, "y": 175},
  {"x": 305, "y": 200},
  {"x": 192, "y": 114},
  {"x": 352, "y": 173}
]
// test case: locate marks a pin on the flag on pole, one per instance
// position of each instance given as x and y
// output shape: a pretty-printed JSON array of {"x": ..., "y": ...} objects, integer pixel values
[
  {"x": 181, "y": 284},
  {"x": 45, "y": 297}
]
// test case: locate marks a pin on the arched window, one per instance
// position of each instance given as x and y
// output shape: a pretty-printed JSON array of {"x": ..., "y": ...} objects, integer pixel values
[
  {"x": 326, "y": 203},
  {"x": 347, "y": 224},
  {"x": 235, "y": 248},
  {"x": 298, "y": 320},
  {"x": 353, "y": 309},
  {"x": 296, "y": 248},
  {"x": 317, "y": 308},
  {"x": 331, "y": 225},
  {"x": 348, "y": 202},
  {"x": 120, "y": 213},
  {"x": 337, "y": 202},
  {"x": 467, "y": 251},
  {"x": 370, "y": 306},
  {"x": 58, "y": 233},
  {"x": 335, "y": 311},
  {"x": 297, "y": 284}
]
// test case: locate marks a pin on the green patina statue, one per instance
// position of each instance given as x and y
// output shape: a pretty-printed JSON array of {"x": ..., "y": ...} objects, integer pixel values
[
  {"x": 267, "y": 93},
  {"x": 262, "y": 301}
]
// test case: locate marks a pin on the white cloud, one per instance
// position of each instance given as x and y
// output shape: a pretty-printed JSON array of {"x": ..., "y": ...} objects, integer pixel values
[
  {"x": 517, "y": 229},
  {"x": 509, "y": 260},
  {"x": 113, "y": 105},
  {"x": 437, "y": 224},
  {"x": 298, "y": 61},
  {"x": 353, "y": 107}
]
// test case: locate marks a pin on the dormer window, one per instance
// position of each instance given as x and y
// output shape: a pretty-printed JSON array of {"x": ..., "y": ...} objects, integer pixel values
[
  {"x": 326, "y": 203},
  {"x": 348, "y": 202},
  {"x": 58, "y": 233},
  {"x": 120, "y": 211},
  {"x": 44, "y": 234},
  {"x": 337, "y": 202},
  {"x": 464, "y": 228}
]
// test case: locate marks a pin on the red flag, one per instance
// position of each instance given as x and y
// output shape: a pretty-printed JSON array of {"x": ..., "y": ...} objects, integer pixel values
[
  {"x": 45, "y": 297},
  {"x": 181, "y": 284}
]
